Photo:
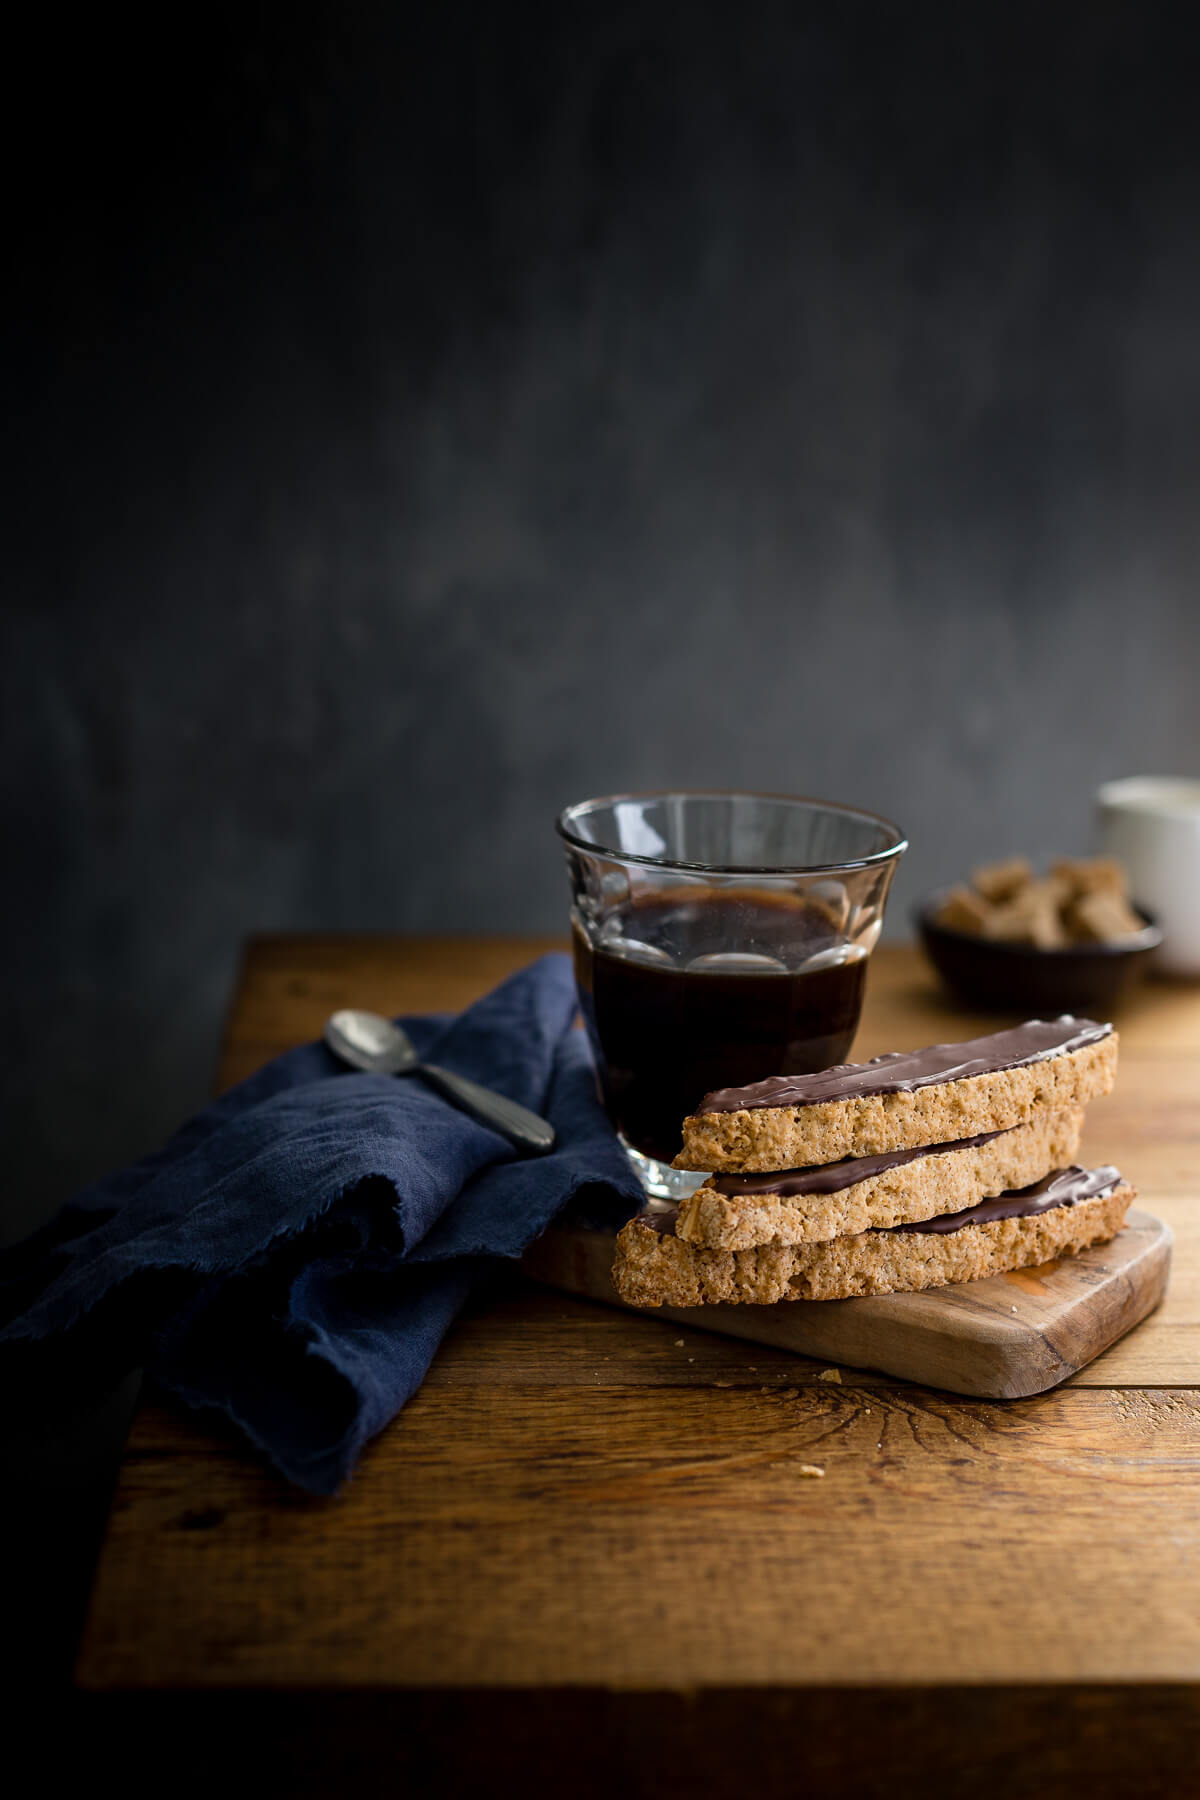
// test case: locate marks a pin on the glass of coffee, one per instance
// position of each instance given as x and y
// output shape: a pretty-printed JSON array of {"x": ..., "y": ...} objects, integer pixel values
[{"x": 719, "y": 938}]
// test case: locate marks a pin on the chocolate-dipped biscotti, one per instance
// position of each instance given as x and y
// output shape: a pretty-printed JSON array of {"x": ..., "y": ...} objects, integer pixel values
[
  {"x": 804, "y": 1206},
  {"x": 1064, "y": 1213},
  {"x": 903, "y": 1100},
  {"x": 917, "y": 1169}
]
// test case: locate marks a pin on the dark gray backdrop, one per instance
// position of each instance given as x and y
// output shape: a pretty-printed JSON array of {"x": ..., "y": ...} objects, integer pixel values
[{"x": 425, "y": 416}]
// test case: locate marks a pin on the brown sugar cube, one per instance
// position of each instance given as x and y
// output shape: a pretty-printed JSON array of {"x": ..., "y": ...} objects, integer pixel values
[
  {"x": 1010, "y": 923},
  {"x": 962, "y": 910},
  {"x": 1030, "y": 917},
  {"x": 1100, "y": 917},
  {"x": 1001, "y": 881},
  {"x": 1048, "y": 931},
  {"x": 1091, "y": 875},
  {"x": 1062, "y": 888}
]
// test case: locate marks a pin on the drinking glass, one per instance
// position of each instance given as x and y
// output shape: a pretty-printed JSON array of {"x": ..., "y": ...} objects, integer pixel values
[{"x": 719, "y": 938}]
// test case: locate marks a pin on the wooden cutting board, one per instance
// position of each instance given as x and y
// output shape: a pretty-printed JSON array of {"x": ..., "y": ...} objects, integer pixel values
[{"x": 1003, "y": 1338}]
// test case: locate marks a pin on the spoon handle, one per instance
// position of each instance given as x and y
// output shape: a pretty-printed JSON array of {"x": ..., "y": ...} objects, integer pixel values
[{"x": 520, "y": 1126}]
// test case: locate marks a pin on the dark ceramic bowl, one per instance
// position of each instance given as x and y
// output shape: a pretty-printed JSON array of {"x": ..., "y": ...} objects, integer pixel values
[{"x": 1037, "y": 984}]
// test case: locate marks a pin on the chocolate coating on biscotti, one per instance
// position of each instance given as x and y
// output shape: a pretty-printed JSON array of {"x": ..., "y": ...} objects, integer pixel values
[
  {"x": 1062, "y": 1187},
  {"x": 733, "y": 1212},
  {"x": 902, "y": 1071},
  {"x": 830, "y": 1178},
  {"x": 763, "y": 1137},
  {"x": 653, "y": 1267}
]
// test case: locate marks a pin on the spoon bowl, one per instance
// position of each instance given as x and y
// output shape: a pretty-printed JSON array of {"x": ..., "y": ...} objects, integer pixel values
[{"x": 369, "y": 1042}]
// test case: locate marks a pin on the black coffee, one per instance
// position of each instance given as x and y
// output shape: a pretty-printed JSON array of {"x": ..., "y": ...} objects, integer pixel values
[{"x": 665, "y": 1034}]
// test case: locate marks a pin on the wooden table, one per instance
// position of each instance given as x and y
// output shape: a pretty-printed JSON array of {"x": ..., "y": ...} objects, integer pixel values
[{"x": 583, "y": 1557}]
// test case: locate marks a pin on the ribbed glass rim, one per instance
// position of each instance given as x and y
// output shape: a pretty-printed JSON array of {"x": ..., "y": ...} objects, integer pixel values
[{"x": 889, "y": 853}]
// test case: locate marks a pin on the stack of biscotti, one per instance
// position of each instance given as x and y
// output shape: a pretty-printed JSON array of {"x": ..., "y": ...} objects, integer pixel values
[{"x": 911, "y": 1171}]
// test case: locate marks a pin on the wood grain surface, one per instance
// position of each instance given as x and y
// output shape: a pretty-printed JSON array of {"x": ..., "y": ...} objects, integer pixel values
[
  {"x": 1001, "y": 1339},
  {"x": 591, "y": 1515}
]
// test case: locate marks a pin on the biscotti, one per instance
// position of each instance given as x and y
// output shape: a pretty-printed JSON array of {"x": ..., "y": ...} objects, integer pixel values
[
  {"x": 905, "y": 1100},
  {"x": 1065, "y": 1213},
  {"x": 804, "y": 1206}
]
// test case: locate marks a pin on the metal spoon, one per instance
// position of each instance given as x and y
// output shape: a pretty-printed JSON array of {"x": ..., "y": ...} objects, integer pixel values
[{"x": 367, "y": 1041}]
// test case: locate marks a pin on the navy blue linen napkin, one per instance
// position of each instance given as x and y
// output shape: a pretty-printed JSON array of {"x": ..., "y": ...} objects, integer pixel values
[{"x": 295, "y": 1254}]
